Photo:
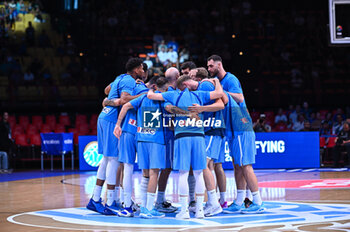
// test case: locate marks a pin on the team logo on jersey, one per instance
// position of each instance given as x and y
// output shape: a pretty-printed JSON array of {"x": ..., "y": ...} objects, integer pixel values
[
  {"x": 147, "y": 131},
  {"x": 106, "y": 110},
  {"x": 244, "y": 120},
  {"x": 132, "y": 122}
]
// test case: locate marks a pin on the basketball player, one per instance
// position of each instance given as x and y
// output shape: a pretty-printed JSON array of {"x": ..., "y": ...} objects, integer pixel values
[
  {"x": 187, "y": 66},
  {"x": 107, "y": 143},
  {"x": 243, "y": 147},
  {"x": 150, "y": 145},
  {"x": 213, "y": 137},
  {"x": 189, "y": 145}
]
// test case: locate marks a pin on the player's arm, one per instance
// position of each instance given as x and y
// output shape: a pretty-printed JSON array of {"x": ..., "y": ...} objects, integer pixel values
[
  {"x": 218, "y": 92},
  {"x": 126, "y": 97},
  {"x": 117, "y": 129},
  {"x": 216, "y": 106},
  {"x": 238, "y": 97},
  {"x": 154, "y": 96},
  {"x": 108, "y": 89},
  {"x": 176, "y": 110},
  {"x": 111, "y": 102}
]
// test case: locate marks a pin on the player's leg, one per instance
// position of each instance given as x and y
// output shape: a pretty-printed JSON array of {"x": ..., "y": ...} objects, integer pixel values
[
  {"x": 220, "y": 174},
  {"x": 191, "y": 181},
  {"x": 249, "y": 151},
  {"x": 111, "y": 179},
  {"x": 182, "y": 162},
  {"x": 162, "y": 205},
  {"x": 154, "y": 159},
  {"x": 127, "y": 155},
  {"x": 213, "y": 144}
]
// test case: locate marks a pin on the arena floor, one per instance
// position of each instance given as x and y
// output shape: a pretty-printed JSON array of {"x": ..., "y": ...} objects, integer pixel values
[{"x": 296, "y": 200}]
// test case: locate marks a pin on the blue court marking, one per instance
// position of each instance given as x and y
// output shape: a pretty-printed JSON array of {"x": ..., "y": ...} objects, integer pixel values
[
  {"x": 331, "y": 213},
  {"x": 248, "y": 218},
  {"x": 115, "y": 219},
  {"x": 288, "y": 220}
]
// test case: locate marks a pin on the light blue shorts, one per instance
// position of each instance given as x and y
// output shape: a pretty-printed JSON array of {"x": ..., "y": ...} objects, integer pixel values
[
  {"x": 190, "y": 151},
  {"x": 222, "y": 151},
  {"x": 169, "y": 153},
  {"x": 243, "y": 149},
  {"x": 127, "y": 148},
  {"x": 106, "y": 141},
  {"x": 151, "y": 155},
  {"x": 213, "y": 146}
]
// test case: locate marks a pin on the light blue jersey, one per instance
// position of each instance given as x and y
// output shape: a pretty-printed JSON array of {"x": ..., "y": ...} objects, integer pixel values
[
  {"x": 129, "y": 123},
  {"x": 149, "y": 120},
  {"x": 123, "y": 83},
  {"x": 185, "y": 126}
]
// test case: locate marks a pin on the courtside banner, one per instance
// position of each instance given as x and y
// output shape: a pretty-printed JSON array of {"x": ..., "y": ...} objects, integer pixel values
[
  {"x": 284, "y": 150},
  {"x": 56, "y": 143},
  {"x": 88, "y": 155}
]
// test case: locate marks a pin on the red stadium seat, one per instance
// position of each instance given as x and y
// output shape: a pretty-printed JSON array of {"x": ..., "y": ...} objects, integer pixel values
[
  {"x": 21, "y": 140},
  {"x": 80, "y": 118},
  {"x": 322, "y": 142},
  {"x": 83, "y": 129},
  {"x": 24, "y": 121},
  {"x": 12, "y": 120},
  {"x": 331, "y": 142},
  {"x": 60, "y": 128},
  {"x": 37, "y": 120},
  {"x": 255, "y": 115},
  {"x": 51, "y": 121},
  {"x": 45, "y": 128},
  {"x": 31, "y": 130},
  {"x": 35, "y": 140},
  {"x": 64, "y": 120}
]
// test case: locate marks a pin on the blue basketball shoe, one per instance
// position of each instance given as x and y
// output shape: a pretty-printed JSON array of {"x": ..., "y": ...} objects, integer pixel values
[
  {"x": 126, "y": 212},
  {"x": 98, "y": 207},
  {"x": 115, "y": 207},
  {"x": 234, "y": 208},
  {"x": 254, "y": 208}
]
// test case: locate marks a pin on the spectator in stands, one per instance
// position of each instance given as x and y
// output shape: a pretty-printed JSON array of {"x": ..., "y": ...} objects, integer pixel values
[
  {"x": 280, "y": 117},
  {"x": 184, "y": 55},
  {"x": 299, "y": 124},
  {"x": 162, "y": 45},
  {"x": 148, "y": 61},
  {"x": 172, "y": 43},
  {"x": 187, "y": 67},
  {"x": 30, "y": 34},
  {"x": 158, "y": 66},
  {"x": 316, "y": 123},
  {"x": 260, "y": 124},
  {"x": 306, "y": 110},
  {"x": 307, "y": 126},
  {"x": 295, "y": 113},
  {"x": 325, "y": 129},
  {"x": 172, "y": 56},
  {"x": 338, "y": 125},
  {"x": 342, "y": 144},
  {"x": 38, "y": 16},
  {"x": 5, "y": 142},
  {"x": 163, "y": 56}
]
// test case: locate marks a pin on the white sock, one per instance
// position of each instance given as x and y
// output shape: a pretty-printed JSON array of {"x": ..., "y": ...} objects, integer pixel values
[
  {"x": 116, "y": 194},
  {"x": 212, "y": 198},
  {"x": 199, "y": 203},
  {"x": 144, "y": 186},
  {"x": 192, "y": 185},
  {"x": 127, "y": 199},
  {"x": 121, "y": 194},
  {"x": 222, "y": 197},
  {"x": 240, "y": 196},
  {"x": 184, "y": 203},
  {"x": 256, "y": 198},
  {"x": 96, "y": 195},
  {"x": 249, "y": 194},
  {"x": 150, "y": 200},
  {"x": 110, "y": 196},
  {"x": 160, "y": 197}
]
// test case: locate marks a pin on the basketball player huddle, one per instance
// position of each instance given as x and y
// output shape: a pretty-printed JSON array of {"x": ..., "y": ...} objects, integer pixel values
[{"x": 175, "y": 123}]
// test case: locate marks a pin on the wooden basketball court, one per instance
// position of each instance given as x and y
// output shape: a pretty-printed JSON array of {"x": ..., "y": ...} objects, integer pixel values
[{"x": 324, "y": 194}]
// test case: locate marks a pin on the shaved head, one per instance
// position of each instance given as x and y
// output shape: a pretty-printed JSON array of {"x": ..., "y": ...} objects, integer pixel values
[{"x": 172, "y": 74}]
